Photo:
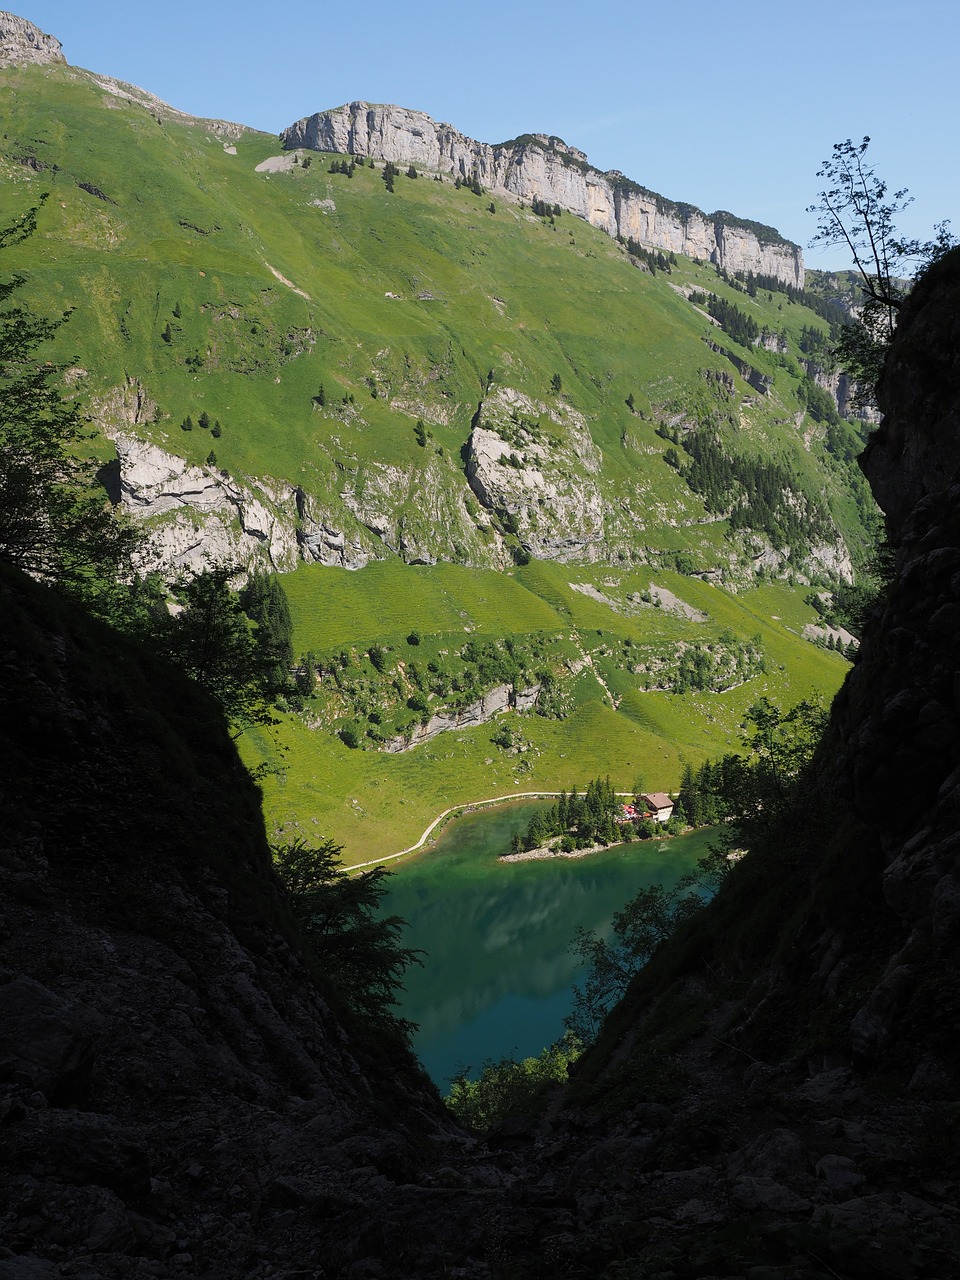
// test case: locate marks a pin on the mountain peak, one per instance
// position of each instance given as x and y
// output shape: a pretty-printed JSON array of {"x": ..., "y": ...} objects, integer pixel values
[{"x": 21, "y": 42}]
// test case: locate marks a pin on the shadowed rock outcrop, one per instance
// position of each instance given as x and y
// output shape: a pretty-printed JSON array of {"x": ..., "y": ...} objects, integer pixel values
[
  {"x": 801, "y": 1033},
  {"x": 178, "y": 1087}
]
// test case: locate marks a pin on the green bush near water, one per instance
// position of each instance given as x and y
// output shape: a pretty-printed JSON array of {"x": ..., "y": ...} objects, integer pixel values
[{"x": 508, "y": 1088}]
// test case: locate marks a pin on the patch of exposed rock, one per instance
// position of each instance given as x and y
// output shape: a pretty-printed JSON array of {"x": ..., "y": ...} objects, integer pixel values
[
  {"x": 760, "y": 382},
  {"x": 22, "y": 43},
  {"x": 542, "y": 476},
  {"x": 538, "y": 166},
  {"x": 671, "y": 603},
  {"x": 500, "y": 698},
  {"x": 843, "y": 389},
  {"x": 321, "y": 541},
  {"x": 419, "y": 513},
  {"x": 199, "y": 515},
  {"x": 124, "y": 406},
  {"x": 831, "y": 634}
]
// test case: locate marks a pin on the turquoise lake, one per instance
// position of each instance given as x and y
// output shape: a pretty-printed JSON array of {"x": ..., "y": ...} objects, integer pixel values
[{"x": 498, "y": 975}]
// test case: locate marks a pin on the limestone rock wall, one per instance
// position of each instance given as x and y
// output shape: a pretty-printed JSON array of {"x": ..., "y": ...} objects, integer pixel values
[
  {"x": 22, "y": 42},
  {"x": 496, "y": 700},
  {"x": 547, "y": 481},
  {"x": 199, "y": 516},
  {"x": 546, "y": 168}
]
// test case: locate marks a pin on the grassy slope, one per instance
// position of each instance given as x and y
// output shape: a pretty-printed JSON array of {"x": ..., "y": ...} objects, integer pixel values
[
  {"x": 376, "y": 803},
  {"x": 196, "y": 230},
  {"x": 188, "y": 228}
]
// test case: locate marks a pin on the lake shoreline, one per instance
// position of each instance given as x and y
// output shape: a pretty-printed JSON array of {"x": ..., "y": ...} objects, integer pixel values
[
  {"x": 542, "y": 854},
  {"x": 538, "y": 855},
  {"x": 459, "y": 811}
]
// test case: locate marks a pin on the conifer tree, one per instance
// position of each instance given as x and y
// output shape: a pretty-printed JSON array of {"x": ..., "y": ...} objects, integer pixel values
[
  {"x": 55, "y": 519},
  {"x": 264, "y": 601}
]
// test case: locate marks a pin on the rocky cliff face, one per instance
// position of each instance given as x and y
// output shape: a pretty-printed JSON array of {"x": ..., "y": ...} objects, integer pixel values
[
  {"x": 531, "y": 467},
  {"x": 179, "y": 1093},
  {"x": 22, "y": 42},
  {"x": 537, "y": 166},
  {"x": 200, "y": 515},
  {"x": 495, "y": 701},
  {"x": 545, "y": 481}
]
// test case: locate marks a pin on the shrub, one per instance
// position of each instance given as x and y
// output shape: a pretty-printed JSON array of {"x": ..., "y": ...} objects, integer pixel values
[{"x": 508, "y": 1086}]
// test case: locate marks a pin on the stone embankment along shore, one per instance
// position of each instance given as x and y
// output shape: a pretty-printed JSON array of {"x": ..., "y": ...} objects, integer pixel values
[{"x": 545, "y": 852}]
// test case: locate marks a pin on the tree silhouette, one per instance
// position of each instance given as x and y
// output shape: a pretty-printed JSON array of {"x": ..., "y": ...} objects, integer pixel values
[{"x": 55, "y": 519}]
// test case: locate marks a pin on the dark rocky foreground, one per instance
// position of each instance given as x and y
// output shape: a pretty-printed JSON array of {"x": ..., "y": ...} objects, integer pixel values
[{"x": 182, "y": 1095}]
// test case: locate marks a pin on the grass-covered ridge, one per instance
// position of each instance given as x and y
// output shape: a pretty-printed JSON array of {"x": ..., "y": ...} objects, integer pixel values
[{"x": 220, "y": 289}]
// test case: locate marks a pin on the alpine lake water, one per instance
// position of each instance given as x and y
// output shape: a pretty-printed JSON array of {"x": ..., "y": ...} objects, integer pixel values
[{"x": 498, "y": 973}]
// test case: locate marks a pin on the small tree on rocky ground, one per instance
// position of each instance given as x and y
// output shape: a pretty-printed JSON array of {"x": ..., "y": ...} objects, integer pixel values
[{"x": 509, "y": 1086}]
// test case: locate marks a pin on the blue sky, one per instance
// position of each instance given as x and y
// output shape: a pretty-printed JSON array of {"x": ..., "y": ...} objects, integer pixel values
[{"x": 726, "y": 106}]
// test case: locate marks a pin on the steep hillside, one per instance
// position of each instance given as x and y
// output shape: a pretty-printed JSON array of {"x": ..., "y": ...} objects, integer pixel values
[
  {"x": 176, "y": 1074},
  {"x": 303, "y": 321}
]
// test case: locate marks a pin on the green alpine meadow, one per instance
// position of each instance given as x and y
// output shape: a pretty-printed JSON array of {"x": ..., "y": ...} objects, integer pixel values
[{"x": 545, "y": 504}]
